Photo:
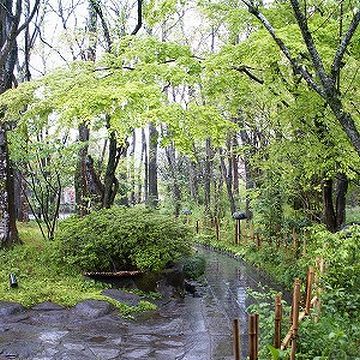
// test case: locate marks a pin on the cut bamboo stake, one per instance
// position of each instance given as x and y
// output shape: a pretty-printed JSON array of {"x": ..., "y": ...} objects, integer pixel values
[
  {"x": 253, "y": 336},
  {"x": 278, "y": 318},
  {"x": 309, "y": 283},
  {"x": 237, "y": 231},
  {"x": 236, "y": 333},
  {"x": 295, "y": 319}
]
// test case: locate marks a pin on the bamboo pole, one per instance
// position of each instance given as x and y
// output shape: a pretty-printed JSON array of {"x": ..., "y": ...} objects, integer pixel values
[
  {"x": 253, "y": 336},
  {"x": 309, "y": 283},
  {"x": 278, "y": 318},
  {"x": 237, "y": 232},
  {"x": 236, "y": 333},
  {"x": 295, "y": 318}
]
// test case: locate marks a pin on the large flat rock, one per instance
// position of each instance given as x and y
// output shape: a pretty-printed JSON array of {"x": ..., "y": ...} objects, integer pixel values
[
  {"x": 122, "y": 296},
  {"x": 92, "y": 309},
  {"x": 10, "y": 308}
]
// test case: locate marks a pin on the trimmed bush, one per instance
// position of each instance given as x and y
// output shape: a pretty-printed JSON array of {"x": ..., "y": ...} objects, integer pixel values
[{"x": 122, "y": 239}]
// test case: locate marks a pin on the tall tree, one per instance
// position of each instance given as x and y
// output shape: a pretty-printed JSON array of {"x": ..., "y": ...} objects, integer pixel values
[
  {"x": 318, "y": 78},
  {"x": 10, "y": 28}
]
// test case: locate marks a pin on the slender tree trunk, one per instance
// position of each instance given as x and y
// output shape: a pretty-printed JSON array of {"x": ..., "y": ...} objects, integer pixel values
[
  {"x": 235, "y": 166},
  {"x": 329, "y": 216},
  {"x": 171, "y": 158},
  {"x": 341, "y": 191},
  {"x": 146, "y": 166},
  {"x": 82, "y": 194},
  {"x": 193, "y": 180},
  {"x": 227, "y": 176},
  {"x": 207, "y": 177},
  {"x": 111, "y": 183},
  {"x": 132, "y": 169},
  {"x": 249, "y": 182},
  {"x": 153, "y": 179}
]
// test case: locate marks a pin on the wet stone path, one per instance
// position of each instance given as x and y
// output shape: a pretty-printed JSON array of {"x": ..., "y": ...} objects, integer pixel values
[{"x": 193, "y": 328}]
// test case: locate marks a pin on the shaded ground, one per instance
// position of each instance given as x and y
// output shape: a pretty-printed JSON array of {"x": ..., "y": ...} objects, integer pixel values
[{"x": 194, "y": 328}]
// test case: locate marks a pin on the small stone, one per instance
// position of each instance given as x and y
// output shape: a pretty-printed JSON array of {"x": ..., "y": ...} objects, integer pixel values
[{"x": 92, "y": 308}]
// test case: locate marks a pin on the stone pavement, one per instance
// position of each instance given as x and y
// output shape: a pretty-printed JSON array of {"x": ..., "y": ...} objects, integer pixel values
[{"x": 193, "y": 328}]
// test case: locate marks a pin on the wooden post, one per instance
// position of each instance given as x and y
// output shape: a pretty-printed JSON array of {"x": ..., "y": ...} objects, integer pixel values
[
  {"x": 236, "y": 333},
  {"x": 237, "y": 232},
  {"x": 253, "y": 336},
  {"x": 309, "y": 283},
  {"x": 197, "y": 226},
  {"x": 278, "y": 318},
  {"x": 295, "y": 318}
]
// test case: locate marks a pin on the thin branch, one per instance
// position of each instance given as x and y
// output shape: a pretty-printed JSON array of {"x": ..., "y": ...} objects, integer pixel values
[
  {"x": 309, "y": 42},
  {"x": 139, "y": 19},
  {"x": 245, "y": 70},
  {"x": 296, "y": 66},
  {"x": 335, "y": 68}
]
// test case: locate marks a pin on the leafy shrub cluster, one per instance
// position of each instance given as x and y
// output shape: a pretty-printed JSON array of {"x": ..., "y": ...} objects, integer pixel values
[
  {"x": 194, "y": 266},
  {"x": 42, "y": 278},
  {"x": 122, "y": 238}
]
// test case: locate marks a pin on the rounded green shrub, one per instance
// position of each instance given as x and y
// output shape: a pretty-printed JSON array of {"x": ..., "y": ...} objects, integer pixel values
[
  {"x": 122, "y": 239},
  {"x": 194, "y": 266}
]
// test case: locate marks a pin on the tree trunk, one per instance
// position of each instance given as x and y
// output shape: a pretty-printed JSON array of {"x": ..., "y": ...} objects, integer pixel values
[
  {"x": 111, "y": 183},
  {"x": 207, "y": 177},
  {"x": 171, "y": 158},
  {"x": 227, "y": 176},
  {"x": 329, "y": 216},
  {"x": 81, "y": 189},
  {"x": 21, "y": 205},
  {"x": 153, "y": 198},
  {"x": 8, "y": 230},
  {"x": 132, "y": 169},
  {"x": 145, "y": 164},
  {"x": 341, "y": 191},
  {"x": 82, "y": 194},
  {"x": 235, "y": 166}
]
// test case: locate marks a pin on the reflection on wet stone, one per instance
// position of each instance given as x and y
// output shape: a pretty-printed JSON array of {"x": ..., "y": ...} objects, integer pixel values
[{"x": 193, "y": 328}]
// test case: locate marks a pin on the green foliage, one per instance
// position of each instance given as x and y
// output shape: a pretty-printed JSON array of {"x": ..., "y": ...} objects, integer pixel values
[
  {"x": 341, "y": 252},
  {"x": 194, "y": 266},
  {"x": 122, "y": 238},
  {"x": 41, "y": 277}
]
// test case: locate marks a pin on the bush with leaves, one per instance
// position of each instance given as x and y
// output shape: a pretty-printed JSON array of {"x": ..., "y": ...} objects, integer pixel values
[{"x": 122, "y": 238}]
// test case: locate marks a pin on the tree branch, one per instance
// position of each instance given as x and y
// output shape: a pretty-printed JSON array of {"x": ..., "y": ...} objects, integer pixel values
[
  {"x": 139, "y": 19},
  {"x": 245, "y": 69},
  {"x": 309, "y": 42},
  {"x": 335, "y": 68},
  {"x": 284, "y": 49}
]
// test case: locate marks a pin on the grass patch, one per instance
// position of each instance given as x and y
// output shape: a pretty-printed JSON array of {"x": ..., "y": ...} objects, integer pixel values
[{"x": 41, "y": 277}]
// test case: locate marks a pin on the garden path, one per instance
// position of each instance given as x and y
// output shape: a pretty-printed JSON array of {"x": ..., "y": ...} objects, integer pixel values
[{"x": 193, "y": 328}]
